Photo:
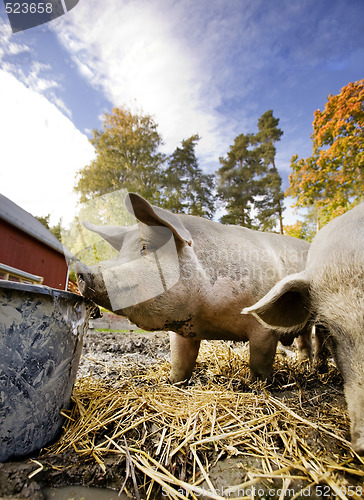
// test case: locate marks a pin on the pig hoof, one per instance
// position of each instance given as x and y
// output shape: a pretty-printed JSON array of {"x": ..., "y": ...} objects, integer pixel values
[
  {"x": 178, "y": 378},
  {"x": 178, "y": 383},
  {"x": 260, "y": 376}
]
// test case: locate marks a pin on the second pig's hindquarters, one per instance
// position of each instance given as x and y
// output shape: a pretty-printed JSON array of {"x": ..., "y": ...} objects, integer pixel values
[{"x": 330, "y": 291}]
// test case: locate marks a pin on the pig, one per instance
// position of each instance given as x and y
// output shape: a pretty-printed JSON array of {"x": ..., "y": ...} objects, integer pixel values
[
  {"x": 330, "y": 290},
  {"x": 191, "y": 276}
]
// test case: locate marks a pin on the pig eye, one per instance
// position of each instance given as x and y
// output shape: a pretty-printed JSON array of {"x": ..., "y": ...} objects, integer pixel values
[{"x": 143, "y": 250}]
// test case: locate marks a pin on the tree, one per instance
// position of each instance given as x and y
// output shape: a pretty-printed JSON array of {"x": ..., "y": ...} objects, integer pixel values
[
  {"x": 237, "y": 186},
  {"x": 249, "y": 182},
  {"x": 45, "y": 220},
  {"x": 55, "y": 230},
  {"x": 305, "y": 229},
  {"x": 186, "y": 188},
  {"x": 332, "y": 178},
  {"x": 270, "y": 203},
  {"x": 126, "y": 157}
]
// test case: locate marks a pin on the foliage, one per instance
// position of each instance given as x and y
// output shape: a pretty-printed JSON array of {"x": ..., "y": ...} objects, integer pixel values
[
  {"x": 249, "y": 182},
  {"x": 186, "y": 188},
  {"x": 332, "y": 178},
  {"x": 127, "y": 157},
  {"x": 237, "y": 186},
  {"x": 55, "y": 230},
  {"x": 45, "y": 220},
  {"x": 269, "y": 204},
  {"x": 304, "y": 230},
  {"x": 88, "y": 246},
  {"x": 296, "y": 230}
]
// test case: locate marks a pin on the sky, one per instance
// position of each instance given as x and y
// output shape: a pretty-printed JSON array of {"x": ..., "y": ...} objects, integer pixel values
[{"x": 211, "y": 67}]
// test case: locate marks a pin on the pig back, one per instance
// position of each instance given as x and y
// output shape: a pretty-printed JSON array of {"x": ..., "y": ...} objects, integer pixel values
[
  {"x": 255, "y": 259},
  {"x": 339, "y": 243}
]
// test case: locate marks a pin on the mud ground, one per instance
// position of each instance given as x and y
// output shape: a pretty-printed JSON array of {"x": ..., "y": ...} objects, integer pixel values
[{"x": 101, "y": 352}]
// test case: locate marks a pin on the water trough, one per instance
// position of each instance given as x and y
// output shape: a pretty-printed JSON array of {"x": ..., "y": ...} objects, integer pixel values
[{"x": 41, "y": 337}]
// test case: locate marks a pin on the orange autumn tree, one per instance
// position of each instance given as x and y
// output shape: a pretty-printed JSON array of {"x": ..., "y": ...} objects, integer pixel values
[{"x": 332, "y": 179}]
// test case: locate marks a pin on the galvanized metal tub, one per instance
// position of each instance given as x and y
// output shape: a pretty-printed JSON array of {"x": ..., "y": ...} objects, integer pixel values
[{"x": 41, "y": 337}]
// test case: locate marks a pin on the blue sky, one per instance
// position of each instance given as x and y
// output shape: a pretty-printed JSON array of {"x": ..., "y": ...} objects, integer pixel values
[{"x": 211, "y": 67}]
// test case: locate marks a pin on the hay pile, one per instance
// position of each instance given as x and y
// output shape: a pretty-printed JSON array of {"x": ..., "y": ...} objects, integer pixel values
[{"x": 220, "y": 436}]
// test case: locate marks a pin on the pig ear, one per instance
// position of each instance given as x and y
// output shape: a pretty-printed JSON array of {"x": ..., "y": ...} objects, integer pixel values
[
  {"x": 286, "y": 306},
  {"x": 155, "y": 216},
  {"x": 112, "y": 234}
]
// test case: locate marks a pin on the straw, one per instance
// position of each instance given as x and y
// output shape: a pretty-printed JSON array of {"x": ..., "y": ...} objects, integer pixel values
[{"x": 172, "y": 438}]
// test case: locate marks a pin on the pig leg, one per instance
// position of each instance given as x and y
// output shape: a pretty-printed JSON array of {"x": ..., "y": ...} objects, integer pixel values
[
  {"x": 304, "y": 344},
  {"x": 355, "y": 400},
  {"x": 184, "y": 352},
  {"x": 262, "y": 346}
]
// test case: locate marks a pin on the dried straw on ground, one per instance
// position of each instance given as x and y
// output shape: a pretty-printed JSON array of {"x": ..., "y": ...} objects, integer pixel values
[{"x": 279, "y": 438}]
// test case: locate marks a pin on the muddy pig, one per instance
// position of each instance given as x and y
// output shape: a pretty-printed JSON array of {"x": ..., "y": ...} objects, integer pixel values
[
  {"x": 331, "y": 290},
  {"x": 192, "y": 276}
]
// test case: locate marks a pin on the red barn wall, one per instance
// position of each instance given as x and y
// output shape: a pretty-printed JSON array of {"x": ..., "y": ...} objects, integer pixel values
[{"x": 20, "y": 250}]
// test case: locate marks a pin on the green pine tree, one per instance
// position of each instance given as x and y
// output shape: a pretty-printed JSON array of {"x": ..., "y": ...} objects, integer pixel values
[
  {"x": 237, "y": 181},
  {"x": 269, "y": 204},
  {"x": 186, "y": 188},
  {"x": 249, "y": 182}
]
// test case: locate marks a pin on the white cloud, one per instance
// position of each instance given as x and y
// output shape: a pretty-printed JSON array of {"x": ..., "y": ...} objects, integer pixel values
[
  {"x": 35, "y": 81},
  {"x": 138, "y": 55},
  {"x": 183, "y": 62},
  {"x": 60, "y": 104},
  {"x": 6, "y": 44},
  {"x": 35, "y": 75},
  {"x": 41, "y": 151}
]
